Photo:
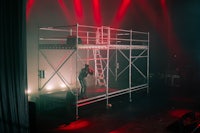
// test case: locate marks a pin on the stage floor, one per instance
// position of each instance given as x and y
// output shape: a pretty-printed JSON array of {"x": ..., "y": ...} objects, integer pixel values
[{"x": 145, "y": 114}]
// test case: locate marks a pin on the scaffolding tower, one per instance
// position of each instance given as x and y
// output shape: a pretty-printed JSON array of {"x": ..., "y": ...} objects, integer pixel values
[{"x": 117, "y": 54}]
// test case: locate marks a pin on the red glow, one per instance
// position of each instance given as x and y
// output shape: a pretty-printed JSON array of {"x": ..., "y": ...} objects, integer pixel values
[
  {"x": 100, "y": 90},
  {"x": 97, "y": 13},
  {"x": 167, "y": 20},
  {"x": 163, "y": 2},
  {"x": 29, "y": 6},
  {"x": 163, "y": 25},
  {"x": 150, "y": 13},
  {"x": 74, "y": 125},
  {"x": 79, "y": 10},
  {"x": 65, "y": 10},
  {"x": 173, "y": 42},
  {"x": 178, "y": 113},
  {"x": 121, "y": 12},
  {"x": 133, "y": 127}
]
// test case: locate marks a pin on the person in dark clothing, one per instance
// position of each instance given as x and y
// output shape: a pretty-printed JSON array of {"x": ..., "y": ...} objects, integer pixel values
[{"x": 82, "y": 75}]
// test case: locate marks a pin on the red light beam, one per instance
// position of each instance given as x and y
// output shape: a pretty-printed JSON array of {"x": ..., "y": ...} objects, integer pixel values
[
  {"x": 29, "y": 6},
  {"x": 120, "y": 13},
  {"x": 162, "y": 25},
  {"x": 66, "y": 11},
  {"x": 74, "y": 126},
  {"x": 150, "y": 13},
  {"x": 173, "y": 41},
  {"x": 97, "y": 13},
  {"x": 79, "y": 11}
]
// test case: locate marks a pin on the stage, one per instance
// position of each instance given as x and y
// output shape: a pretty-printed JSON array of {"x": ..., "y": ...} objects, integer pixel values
[{"x": 158, "y": 112}]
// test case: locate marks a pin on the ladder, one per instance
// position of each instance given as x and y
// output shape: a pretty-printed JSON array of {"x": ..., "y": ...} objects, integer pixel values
[
  {"x": 102, "y": 38},
  {"x": 103, "y": 35},
  {"x": 99, "y": 71}
]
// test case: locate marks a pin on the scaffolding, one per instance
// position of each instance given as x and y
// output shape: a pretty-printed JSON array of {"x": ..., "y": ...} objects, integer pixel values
[{"x": 118, "y": 56}]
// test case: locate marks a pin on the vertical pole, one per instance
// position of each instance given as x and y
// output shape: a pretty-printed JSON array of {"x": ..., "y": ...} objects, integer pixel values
[
  {"x": 87, "y": 56},
  {"x": 107, "y": 72},
  {"x": 70, "y": 32},
  {"x": 38, "y": 52},
  {"x": 87, "y": 41},
  {"x": 95, "y": 66},
  {"x": 38, "y": 59},
  {"x": 116, "y": 61},
  {"x": 101, "y": 34},
  {"x": 148, "y": 65},
  {"x": 130, "y": 70},
  {"x": 94, "y": 54},
  {"x": 77, "y": 116}
]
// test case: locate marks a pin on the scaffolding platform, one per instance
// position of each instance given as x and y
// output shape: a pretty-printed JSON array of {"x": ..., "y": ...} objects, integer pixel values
[{"x": 119, "y": 57}]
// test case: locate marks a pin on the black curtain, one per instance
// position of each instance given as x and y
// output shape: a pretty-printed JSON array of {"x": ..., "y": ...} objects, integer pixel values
[{"x": 13, "y": 69}]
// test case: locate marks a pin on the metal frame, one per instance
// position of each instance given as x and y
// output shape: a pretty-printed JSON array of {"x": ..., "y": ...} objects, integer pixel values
[{"x": 123, "y": 42}]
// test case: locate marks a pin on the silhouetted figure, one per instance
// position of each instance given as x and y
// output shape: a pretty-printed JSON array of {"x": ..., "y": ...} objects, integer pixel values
[{"x": 82, "y": 75}]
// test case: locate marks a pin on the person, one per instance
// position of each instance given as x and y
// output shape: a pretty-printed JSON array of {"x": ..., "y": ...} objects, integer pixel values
[{"x": 82, "y": 75}]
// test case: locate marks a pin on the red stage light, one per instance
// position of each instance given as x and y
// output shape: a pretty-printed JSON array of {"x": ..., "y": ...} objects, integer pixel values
[
  {"x": 166, "y": 19},
  {"x": 123, "y": 8},
  {"x": 120, "y": 13},
  {"x": 66, "y": 11},
  {"x": 163, "y": 2},
  {"x": 79, "y": 10},
  {"x": 29, "y": 6},
  {"x": 97, "y": 13},
  {"x": 76, "y": 125}
]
